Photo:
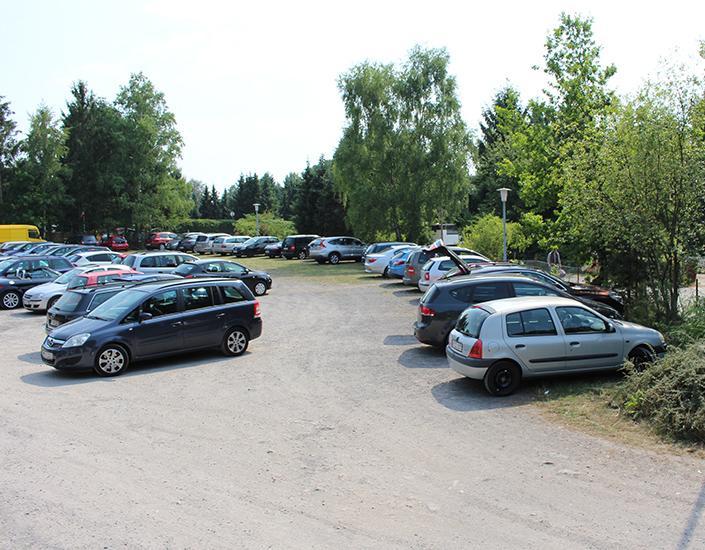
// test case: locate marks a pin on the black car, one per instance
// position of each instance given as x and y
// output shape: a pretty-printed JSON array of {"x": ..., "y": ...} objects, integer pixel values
[
  {"x": 296, "y": 246},
  {"x": 273, "y": 250},
  {"x": 258, "y": 282},
  {"x": 254, "y": 246},
  {"x": 85, "y": 240},
  {"x": 17, "y": 275},
  {"x": 443, "y": 303},
  {"x": 78, "y": 302},
  {"x": 155, "y": 320}
]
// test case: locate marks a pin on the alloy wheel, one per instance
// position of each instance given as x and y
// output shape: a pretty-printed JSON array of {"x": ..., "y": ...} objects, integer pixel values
[
  {"x": 11, "y": 300},
  {"x": 260, "y": 289},
  {"x": 237, "y": 342},
  {"x": 111, "y": 361}
]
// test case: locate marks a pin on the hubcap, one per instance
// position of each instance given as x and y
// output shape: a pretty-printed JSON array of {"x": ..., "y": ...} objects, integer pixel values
[
  {"x": 111, "y": 361},
  {"x": 11, "y": 300},
  {"x": 236, "y": 341},
  {"x": 302, "y": 255},
  {"x": 260, "y": 288},
  {"x": 334, "y": 259},
  {"x": 503, "y": 379}
]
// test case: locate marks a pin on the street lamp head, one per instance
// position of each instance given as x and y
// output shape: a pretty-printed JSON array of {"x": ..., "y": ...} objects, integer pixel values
[
  {"x": 504, "y": 193},
  {"x": 256, "y": 205},
  {"x": 232, "y": 214}
]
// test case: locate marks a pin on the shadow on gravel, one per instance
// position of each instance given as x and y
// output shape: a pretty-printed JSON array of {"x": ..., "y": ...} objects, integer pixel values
[
  {"x": 424, "y": 357},
  {"x": 693, "y": 521},
  {"x": 414, "y": 302},
  {"x": 51, "y": 378},
  {"x": 400, "y": 340},
  {"x": 33, "y": 358},
  {"x": 391, "y": 284},
  {"x": 465, "y": 395},
  {"x": 406, "y": 292}
]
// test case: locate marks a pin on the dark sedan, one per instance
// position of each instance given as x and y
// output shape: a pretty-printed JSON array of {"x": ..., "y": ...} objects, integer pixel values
[
  {"x": 273, "y": 250},
  {"x": 258, "y": 282},
  {"x": 13, "y": 284},
  {"x": 254, "y": 246},
  {"x": 156, "y": 320}
]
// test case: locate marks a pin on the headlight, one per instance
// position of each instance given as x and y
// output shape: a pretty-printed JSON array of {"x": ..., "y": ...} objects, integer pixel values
[{"x": 77, "y": 340}]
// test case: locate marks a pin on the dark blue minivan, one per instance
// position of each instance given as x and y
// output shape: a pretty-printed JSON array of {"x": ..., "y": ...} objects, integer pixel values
[{"x": 155, "y": 320}]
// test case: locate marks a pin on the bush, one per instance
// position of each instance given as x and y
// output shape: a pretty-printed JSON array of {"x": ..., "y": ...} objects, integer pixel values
[
  {"x": 204, "y": 225},
  {"x": 670, "y": 394},
  {"x": 486, "y": 236},
  {"x": 269, "y": 224}
]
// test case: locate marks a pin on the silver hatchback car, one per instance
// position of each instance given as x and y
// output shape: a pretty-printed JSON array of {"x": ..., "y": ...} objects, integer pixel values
[{"x": 503, "y": 341}]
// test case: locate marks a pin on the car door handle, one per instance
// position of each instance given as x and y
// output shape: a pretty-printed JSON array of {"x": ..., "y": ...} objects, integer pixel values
[
  {"x": 520, "y": 346},
  {"x": 177, "y": 323},
  {"x": 220, "y": 315},
  {"x": 575, "y": 344}
]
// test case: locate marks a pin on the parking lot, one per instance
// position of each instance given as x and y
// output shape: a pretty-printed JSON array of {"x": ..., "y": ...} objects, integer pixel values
[{"x": 335, "y": 429}]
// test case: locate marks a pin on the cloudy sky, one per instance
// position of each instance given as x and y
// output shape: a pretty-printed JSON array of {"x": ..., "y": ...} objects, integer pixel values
[{"x": 253, "y": 84}]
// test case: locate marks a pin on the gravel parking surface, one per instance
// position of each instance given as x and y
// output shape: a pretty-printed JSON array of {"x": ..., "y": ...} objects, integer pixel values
[{"x": 335, "y": 430}]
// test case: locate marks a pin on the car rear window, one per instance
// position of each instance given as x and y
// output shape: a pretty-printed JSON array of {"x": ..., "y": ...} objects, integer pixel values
[
  {"x": 129, "y": 261},
  {"x": 148, "y": 261},
  {"x": 471, "y": 321},
  {"x": 69, "y": 301},
  {"x": 99, "y": 298},
  {"x": 533, "y": 322},
  {"x": 429, "y": 295}
]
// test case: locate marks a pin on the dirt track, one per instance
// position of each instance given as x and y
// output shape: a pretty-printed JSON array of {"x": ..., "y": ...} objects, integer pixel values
[{"x": 335, "y": 430}]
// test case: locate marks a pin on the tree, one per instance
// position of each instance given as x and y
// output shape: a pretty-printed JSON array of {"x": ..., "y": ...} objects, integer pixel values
[
  {"x": 402, "y": 161},
  {"x": 290, "y": 189},
  {"x": 318, "y": 207},
  {"x": 269, "y": 224},
  {"x": 198, "y": 188},
  {"x": 8, "y": 144},
  {"x": 486, "y": 236},
  {"x": 268, "y": 193}
]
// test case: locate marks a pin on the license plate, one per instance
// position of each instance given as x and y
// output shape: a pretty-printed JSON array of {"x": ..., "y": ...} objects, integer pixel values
[
  {"x": 49, "y": 356},
  {"x": 457, "y": 346},
  {"x": 53, "y": 323}
]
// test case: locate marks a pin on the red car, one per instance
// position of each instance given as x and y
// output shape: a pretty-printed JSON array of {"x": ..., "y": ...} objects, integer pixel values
[
  {"x": 159, "y": 240},
  {"x": 95, "y": 278},
  {"x": 116, "y": 243}
]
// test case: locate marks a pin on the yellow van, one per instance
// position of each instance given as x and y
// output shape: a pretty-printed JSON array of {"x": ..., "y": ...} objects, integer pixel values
[{"x": 19, "y": 233}]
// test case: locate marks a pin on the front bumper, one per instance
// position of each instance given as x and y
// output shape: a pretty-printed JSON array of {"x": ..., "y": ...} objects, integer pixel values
[
  {"x": 34, "y": 304},
  {"x": 467, "y": 366},
  {"x": 78, "y": 358}
]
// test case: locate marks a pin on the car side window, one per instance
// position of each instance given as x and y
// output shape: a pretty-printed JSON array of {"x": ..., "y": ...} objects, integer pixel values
[
  {"x": 163, "y": 303},
  {"x": 148, "y": 261},
  {"x": 534, "y": 322},
  {"x": 182, "y": 259},
  {"x": 528, "y": 289},
  {"x": 99, "y": 299},
  {"x": 463, "y": 294},
  {"x": 231, "y": 295},
  {"x": 576, "y": 320},
  {"x": 489, "y": 291},
  {"x": 167, "y": 261},
  {"x": 213, "y": 267},
  {"x": 445, "y": 265},
  {"x": 197, "y": 297},
  {"x": 233, "y": 268}
]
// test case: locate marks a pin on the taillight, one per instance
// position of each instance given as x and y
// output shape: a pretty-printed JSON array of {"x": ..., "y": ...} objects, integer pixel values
[
  {"x": 476, "y": 350},
  {"x": 427, "y": 311},
  {"x": 410, "y": 270},
  {"x": 323, "y": 245},
  {"x": 258, "y": 313},
  {"x": 371, "y": 260},
  {"x": 426, "y": 276},
  {"x": 292, "y": 247}
]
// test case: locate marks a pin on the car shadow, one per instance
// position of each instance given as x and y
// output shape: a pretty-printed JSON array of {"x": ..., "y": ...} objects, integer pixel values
[
  {"x": 53, "y": 378},
  {"x": 406, "y": 292},
  {"x": 415, "y": 301},
  {"x": 423, "y": 357},
  {"x": 400, "y": 340},
  {"x": 33, "y": 358},
  {"x": 465, "y": 395}
]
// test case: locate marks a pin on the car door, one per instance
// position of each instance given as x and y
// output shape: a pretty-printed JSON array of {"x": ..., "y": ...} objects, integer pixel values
[
  {"x": 531, "y": 335},
  {"x": 357, "y": 248},
  {"x": 211, "y": 269},
  {"x": 201, "y": 319},
  {"x": 166, "y": 263},
  {"x": 591, "y": 342},
  {"x": 164, "y": 331},
  {"x": 148, "y": 264}
]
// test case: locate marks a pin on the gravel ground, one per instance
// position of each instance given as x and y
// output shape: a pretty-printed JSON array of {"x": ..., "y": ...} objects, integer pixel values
[{"x": 335, "y": 429}]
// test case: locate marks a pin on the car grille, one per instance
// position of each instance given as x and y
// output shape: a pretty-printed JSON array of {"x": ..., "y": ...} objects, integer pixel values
[{"x": 53, "y": 343}]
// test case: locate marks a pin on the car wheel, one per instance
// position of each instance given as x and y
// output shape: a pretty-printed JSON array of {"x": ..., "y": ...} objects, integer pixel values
[
  {"x": 111, "y": 360},
  {"x": 385, "y": 273},
  {"x": 302, "y": 255},
  {"x": 52, "y": 301},
  {"x": 334, "y": 258},
  {"x": 162, "y": 247},
  {"x": 259, "y": 289},
  {"x": 11, "y": 300},
  {"x": 502, "y": 378},
  {"x": 641, "y": 356},
  {"x": 319, "y": 261},
  {"x": 235, "y": 342}
]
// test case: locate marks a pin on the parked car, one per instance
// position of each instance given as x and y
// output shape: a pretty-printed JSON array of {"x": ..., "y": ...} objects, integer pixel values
[
  {"x": 116, "y": 243},
  {"x": 22, "y": 249},
  {"x": 154, "y": 320},
  {"x": 173, "y": 244},
  {"x": 397, "y": 263},
  {"x": 435, "y": 268},
  {"x": 15, "y": 265},
  {"x": 204, "y": 243},
  {"x": 258, "y": 282},
  {"x": 95, "y": 278},
  {"x": 95, "y": 257},
  {"x": 42, "y": 297},
  {"x": 86, "y": 240},
  {"x": 13, "y": 284},
  {"x": 504, "y": 341},
  {"x": 254, "y": 246},
  {"x": 273, "y": 250},
  {"x": 418, "y": 258},
  {"x": 442, "y": 304},
  {"x": 78, "y": 302},
  {"x": 582, "y": 290},
  {"x": 41, "y": 248},
  {"x": 189, "y": 241},
  {"x": 378, "y": 262},
  {"x": 296, "y": 246},
  {"x": 157, "y": 262},
  {"x": 11, "y": 245},
  {"x": 228, "y": 244},
  {"x": 336, "y": 249},
  {"x": 159, "y": 240},
  {"x": 376, "y": 248}
]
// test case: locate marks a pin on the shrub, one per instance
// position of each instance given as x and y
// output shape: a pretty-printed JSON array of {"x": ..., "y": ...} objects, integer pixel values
[
  {"x": 486, "y": 236},
  {"x": 670, "y": 394},
  {"x": 203, "y": 225},
  {"x": 269, "y": 224}
]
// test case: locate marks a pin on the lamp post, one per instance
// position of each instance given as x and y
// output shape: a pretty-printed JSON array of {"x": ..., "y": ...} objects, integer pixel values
[
  {"x": 503, "y": 194},
  {"x": 256, "y": 205}
]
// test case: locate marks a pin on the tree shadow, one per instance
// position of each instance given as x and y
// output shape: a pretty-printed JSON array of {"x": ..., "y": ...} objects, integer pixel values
[
  {"x": 425, "y": 357},
  {"x": 693, "y": 520},
  {"x": 54, "y": 378},
  {"x": 467, "y": 395}
]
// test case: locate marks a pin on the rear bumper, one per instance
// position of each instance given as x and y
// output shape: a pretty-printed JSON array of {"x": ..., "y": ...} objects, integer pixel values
[
  {"x": 427, "y": 333},
  {"x": 467, "y": 366},
  {"x": 255, "y": 329}
]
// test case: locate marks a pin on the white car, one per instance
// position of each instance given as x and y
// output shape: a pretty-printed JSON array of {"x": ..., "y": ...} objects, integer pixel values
[
  {"x": 502, "y": 341},
  {"x": 228, "y": 244},
  {"x": 436, "y": 267},
  {"x": 42, "y": 297},
  {"x": 379, "y": 263},
  {"x": 95, "y": 257}
]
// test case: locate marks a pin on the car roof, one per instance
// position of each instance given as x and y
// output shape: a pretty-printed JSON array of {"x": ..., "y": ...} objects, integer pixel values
[
  {"x": 148, "y": 287},
  {"x": 341, "y": 237},
  {"x": 301, "y": 236},
  {"x": 476, "y": 279},
  {"x": 512, "y": 305},
  {"x": 159, "y": 253}
]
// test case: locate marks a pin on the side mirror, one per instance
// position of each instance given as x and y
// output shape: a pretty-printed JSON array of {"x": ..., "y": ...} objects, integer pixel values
[
  {"x": 144, "y": 316},
  {"x": 610, "y": 328}
]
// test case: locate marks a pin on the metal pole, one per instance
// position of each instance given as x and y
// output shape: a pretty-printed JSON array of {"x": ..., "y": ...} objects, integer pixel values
[{"x": 504, "y": 228}]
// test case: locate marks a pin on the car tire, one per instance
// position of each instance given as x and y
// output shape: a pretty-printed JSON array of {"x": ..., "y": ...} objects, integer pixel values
[
  {"x": 320, "y": 261},
  {"x": 385, "y": 273},
  {"x": 502, "y": 378},
  {"x": 334, "y": 258},
  {"x": 641, "y": 356},
  {"x": 162, "y": 247},
  {"x": 11, "y": 300},
  {"x": 52, "y": 301},
  {"x": 112, "y": 360},
  {"x": 259, "y": 288},
  {"x": 302, "y": 255},
  {"x": 235, "y": 342}
]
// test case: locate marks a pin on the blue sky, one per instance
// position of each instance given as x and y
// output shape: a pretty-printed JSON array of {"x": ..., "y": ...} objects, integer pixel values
[{"x": 253, "y": 85}]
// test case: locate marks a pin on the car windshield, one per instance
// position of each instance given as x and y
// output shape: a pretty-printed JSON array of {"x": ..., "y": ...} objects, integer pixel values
[
  {"x": 66, "y": 277},
  {"x": 185, "y": 269},
  {"x": 118, "y": 306},
  {"x": 251, "y": 240},
  {"x": 78, "y": 281},
  {"x": 5, "y": 265}
]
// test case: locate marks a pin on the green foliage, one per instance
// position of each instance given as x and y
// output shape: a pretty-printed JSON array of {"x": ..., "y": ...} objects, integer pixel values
[
  {"x": 690, "y": 328},
  {"x": 670, "y": 394},
  {"x": 402, "y": 161},
  {"x": 288, "y": 197},
  {"x": 269, "y": 224},
  {"x": 486, "y": 236},
  {"x": 318, "y": 207},
  {"x": 8, "y": 151},
  {"x": 202, "y": 225}
]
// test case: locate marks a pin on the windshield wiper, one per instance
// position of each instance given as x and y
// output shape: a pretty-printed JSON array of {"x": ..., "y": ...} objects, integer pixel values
[{"x": 97, "y": 318}]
